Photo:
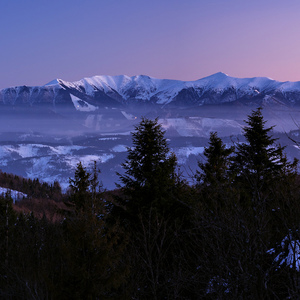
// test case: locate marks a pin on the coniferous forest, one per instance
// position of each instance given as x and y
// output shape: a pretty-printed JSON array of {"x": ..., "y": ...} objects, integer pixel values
[{"x": 233, "y": 234}]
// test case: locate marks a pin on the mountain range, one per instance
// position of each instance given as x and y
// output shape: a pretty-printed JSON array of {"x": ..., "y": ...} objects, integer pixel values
[{"x": 89, "y": 94}]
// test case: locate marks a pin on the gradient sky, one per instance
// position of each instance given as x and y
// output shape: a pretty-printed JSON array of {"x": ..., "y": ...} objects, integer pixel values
[{"x": 189, "y": 39}]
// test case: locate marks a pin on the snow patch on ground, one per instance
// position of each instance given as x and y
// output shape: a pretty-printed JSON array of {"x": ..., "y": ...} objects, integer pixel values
[
  {"x": 109, "y": 139},
  {"x": 119, "y": 148},
  {"x": 32, "y": 150},
  {"x": 24, "y": 151},
  {"x": 40, "y": 167},
  {"x": 82, "y": 105},
  {"x": 117, "y": 133},
  {"x": 64, "y": 150},
  {"x": 87, "y": 160},
  {"x": 15, "y": 195},
  {"x": 290, "y": 254}
]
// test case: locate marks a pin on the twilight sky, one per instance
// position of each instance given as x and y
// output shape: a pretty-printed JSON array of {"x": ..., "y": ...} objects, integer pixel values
[{"x": 176, "y": 39}]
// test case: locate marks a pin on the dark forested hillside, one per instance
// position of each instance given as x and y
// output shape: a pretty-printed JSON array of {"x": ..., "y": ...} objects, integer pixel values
[
  {"x": 32, "y": 188},
  {"x": 234, "y": 234}
]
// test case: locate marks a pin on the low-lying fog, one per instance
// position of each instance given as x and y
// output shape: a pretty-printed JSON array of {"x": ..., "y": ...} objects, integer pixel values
[{"x": 49, "y": 145}]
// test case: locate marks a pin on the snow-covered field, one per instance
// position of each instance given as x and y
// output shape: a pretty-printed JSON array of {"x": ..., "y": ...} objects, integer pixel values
[{"x": 57, "y": 162}]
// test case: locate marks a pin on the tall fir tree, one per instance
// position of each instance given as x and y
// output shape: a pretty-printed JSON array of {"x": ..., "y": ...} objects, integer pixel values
[
  {"x": 259, "y": 161},
  {"x": 91, "y": 249},
  {"x": 80, "y": 187},
  {"x": 213, "y": 176},
  {"x": 152, "y": 207},
  {"x": 264, "y": 178},
  {"x": 150, "y": 170},
  {"x": 214, "y": 171}
]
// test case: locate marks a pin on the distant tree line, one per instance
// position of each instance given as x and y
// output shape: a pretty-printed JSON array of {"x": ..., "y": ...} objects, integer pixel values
[
  {"x": 33, "y": 188},
  {"x": 234, "y": 234}
]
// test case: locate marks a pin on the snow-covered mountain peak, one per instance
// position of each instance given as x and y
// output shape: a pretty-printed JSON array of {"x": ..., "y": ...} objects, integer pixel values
[
  {"x": 115, "y": 82},
  {"x": 141, "y": 77},
  {"x": 216, "y": 81},
  {"x": 143, "y": 81},
  {"x": 218, "y": 76},
  {"x": 53, "y": 82},
  {"x": 106, "y": 83}
]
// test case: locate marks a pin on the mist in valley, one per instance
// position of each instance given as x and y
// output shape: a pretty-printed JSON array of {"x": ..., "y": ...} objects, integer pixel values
[{"x": 48, "y": 145}]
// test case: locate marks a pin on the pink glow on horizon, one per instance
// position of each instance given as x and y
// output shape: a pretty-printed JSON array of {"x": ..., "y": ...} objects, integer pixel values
[{"x": 184, "y": 40}]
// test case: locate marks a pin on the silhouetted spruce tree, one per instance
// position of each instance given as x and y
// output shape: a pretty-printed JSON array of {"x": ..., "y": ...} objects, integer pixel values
[
  {"x": 152, "y": 206},
  {"x": 260, "y": 170},
  {"x": 80, "y": 187},
  {"x": 91, "y": 250},
  {"x": 213, "y": 204},
  {"x": 214, "y": 171},
  {"x": 150, "y": 177},
  {"x": 259, "y": 161}
]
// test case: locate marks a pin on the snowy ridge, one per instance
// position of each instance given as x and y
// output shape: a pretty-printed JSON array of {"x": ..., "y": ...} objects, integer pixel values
[
  {"x": 214, "y": 89},
  {"x": 143, "y": 87},
  {"x": 219, "y": 81}
]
